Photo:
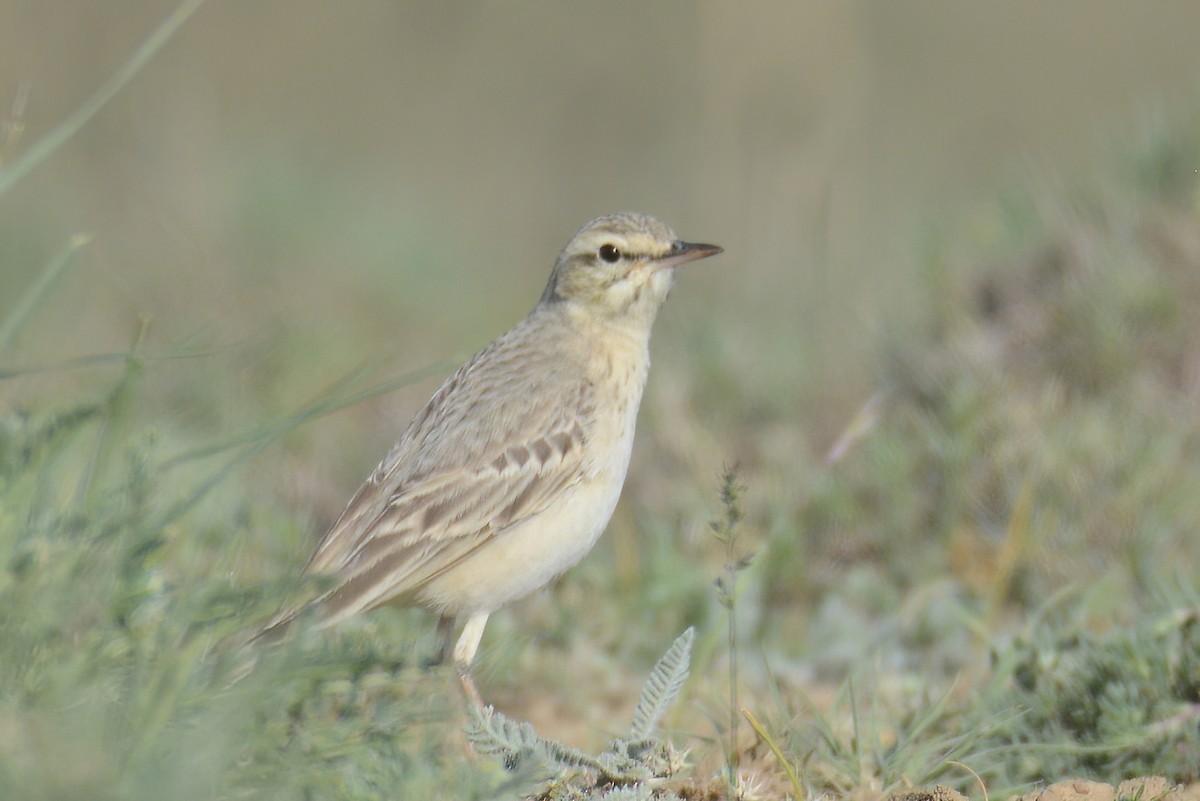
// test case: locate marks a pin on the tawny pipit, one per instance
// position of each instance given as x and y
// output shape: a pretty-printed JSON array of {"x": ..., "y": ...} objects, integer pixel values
[{"x": 511, "y": 471}]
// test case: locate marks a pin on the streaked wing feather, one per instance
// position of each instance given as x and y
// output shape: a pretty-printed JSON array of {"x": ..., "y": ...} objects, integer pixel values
[
  {"x": 495, "y": 445},
  {"x": 429, "y": 529}
]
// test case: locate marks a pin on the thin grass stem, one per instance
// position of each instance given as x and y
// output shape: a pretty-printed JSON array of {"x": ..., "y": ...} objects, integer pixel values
[
  {"x": 41, "y": 150},
  {"x": 19, "y": 315}
]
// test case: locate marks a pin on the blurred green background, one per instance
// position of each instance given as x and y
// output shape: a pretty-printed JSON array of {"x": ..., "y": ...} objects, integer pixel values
[
  {"x": 354, "y": 180},
  {"x": 294, "y": 191},
  {"x": 406, "y": 171}
]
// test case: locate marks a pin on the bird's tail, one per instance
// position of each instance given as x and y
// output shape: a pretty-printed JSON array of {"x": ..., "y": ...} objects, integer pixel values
[
  {"x": 270, "y": 633},
  {"x": 275, "y": 629}
]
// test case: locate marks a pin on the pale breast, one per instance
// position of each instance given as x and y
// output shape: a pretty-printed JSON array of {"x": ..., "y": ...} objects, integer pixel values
[{"x": 527, "y": 556}]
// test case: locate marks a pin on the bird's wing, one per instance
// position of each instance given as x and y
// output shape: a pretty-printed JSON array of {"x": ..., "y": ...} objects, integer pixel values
[
  {"x": 428, "y": 528},
  {"x": 496, "y": 445}
]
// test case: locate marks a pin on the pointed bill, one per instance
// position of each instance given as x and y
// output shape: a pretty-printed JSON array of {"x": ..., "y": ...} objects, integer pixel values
[{"x": 683, "y": 252}]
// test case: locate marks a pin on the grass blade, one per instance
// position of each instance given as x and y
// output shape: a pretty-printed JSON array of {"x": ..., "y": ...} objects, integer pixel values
[
  {"x": 44, "y": 147},
  {"x": 19, "y": 314},
  {"x": 329, "y": 402},
  {"x": 779, "y": 757},
  {"x": 665, "y": 682}
]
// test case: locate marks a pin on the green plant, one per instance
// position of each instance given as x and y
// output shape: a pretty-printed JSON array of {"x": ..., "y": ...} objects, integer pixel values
[
  {"x": 1107, "y": 705},
  {"x": 631, "y": 766},
  {"x": 725, "y": 529}
]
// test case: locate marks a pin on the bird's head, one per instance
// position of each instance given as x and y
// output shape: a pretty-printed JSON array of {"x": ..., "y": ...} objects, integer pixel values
[{"x": 621, "y": 267}]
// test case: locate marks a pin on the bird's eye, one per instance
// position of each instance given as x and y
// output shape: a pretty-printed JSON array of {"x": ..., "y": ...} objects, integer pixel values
[{"x": 610, "y": 254}]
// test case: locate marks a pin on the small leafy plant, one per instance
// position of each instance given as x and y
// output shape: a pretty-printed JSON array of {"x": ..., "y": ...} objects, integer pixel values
[
  {"x": 725, "y": 530},
  {"x": 634, "y": 767}
]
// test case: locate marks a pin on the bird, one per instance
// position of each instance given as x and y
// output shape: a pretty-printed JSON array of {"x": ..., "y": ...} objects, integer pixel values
[{"x": 510, "y": 473}]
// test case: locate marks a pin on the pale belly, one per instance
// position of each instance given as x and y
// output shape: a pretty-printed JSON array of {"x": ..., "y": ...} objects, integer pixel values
[{"x": 529, "y": 555}]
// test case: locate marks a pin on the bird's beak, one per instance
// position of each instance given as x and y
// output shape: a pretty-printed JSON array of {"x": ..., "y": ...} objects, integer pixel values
[{"x": 683, "y": 252}]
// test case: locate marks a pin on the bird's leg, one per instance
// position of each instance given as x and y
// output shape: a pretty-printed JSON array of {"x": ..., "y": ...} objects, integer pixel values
[
  {"x": 468, "y": 688},
  {"x": 445, "y": 639},
  {"x": 464, "y": 653}
]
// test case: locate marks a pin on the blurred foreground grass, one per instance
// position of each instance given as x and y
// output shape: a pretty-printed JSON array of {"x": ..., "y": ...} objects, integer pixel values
[{"x": 993, "y": 566}]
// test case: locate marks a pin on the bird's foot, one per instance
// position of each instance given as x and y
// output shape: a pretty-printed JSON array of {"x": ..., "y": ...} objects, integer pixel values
[{"x": 468, "y": 687}]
